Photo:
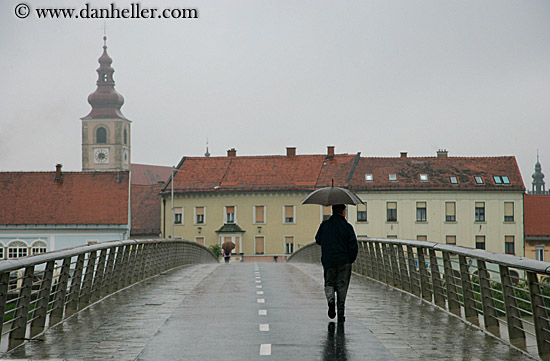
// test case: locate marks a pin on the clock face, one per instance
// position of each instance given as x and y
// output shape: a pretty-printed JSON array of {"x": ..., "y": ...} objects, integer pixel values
[{"x": 101, "y": 155}]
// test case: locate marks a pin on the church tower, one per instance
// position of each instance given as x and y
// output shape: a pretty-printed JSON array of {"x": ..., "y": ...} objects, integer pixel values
[
  {"x": 105, "y": 131},
  {"x": 538, "y": 179}
]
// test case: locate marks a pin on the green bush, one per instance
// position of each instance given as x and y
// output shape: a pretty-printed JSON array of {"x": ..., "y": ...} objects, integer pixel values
[{"x": 216, "y": 249}]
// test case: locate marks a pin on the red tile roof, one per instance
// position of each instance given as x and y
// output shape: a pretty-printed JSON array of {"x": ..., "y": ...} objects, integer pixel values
[
  {"x": 83, "y": 198},
  {"x": 146, "y": 203},
  {"x": 439, "y": 170},
  {"x": 150, "y": 174},
  {"x": 536, "y": 211}
]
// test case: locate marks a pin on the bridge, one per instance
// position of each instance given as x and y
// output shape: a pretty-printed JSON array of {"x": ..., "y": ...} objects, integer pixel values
[{"x": 172, "y": 300}]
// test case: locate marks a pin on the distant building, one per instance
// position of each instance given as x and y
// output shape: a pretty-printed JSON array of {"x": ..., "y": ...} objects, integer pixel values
[
  {"x": 255, "y": 201},
  {"x": 537, "y": 227},
  {"x": 45, "y": 211},
  {"x": 105, "y": 130},
  {"x": 474, "y": 202},
  {"x": 538, "y": 185}
]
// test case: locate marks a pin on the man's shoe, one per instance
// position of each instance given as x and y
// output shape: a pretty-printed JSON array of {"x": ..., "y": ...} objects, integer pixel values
[{"x": 331, "y": 309}]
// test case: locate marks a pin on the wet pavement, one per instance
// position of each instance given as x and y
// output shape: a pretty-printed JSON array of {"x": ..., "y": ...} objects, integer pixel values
[{"x": 247, "y": 311}]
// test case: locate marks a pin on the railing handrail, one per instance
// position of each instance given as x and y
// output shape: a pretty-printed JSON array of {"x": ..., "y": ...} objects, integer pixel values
[
  {"x": 15, "y": 264},
  {"x": 509, "y": 260}
]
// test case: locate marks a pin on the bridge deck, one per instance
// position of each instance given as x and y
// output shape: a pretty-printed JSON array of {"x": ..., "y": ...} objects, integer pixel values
[{"x": 215, "y": 312}]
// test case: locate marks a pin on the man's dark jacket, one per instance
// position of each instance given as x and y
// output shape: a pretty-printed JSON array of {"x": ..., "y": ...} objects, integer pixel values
[{"x": 338, "y": 242}]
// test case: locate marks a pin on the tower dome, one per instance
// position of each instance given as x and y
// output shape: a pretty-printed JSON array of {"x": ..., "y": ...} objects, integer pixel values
[{"x": 105, "y": 100}]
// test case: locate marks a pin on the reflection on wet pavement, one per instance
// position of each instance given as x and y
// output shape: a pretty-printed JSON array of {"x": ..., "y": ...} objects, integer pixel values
[{"x": 335, "y": 344}]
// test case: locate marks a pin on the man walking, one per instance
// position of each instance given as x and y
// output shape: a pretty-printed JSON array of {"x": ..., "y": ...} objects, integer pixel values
[{"x": 338, "y": 251}]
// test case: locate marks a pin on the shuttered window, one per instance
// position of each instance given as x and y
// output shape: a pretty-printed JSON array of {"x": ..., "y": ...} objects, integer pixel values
[
  {"x": 509, "y": 245},
  {"x": 259, "y": 214},
  {"x": 508, "y": 211},
  {"x": 450, "y": 211},
  {"x": 480, "y": 211},
  {"x": 421, "y": 212},
  {"x": 289, "y": 244},
  {"x": 289, "y": 214},
  {"x": 391, "y": 208},
  {"x": 199, "y": 215},
  {"x": 361, "y": 212},
  {"x": 450, "y": 240},
  {"x": 327, "y": 212},
  {"x": 230, "y": 214}
]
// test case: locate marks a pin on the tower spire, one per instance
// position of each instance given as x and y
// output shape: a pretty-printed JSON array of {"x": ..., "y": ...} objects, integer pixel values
[{"x": 207, "y": 154}]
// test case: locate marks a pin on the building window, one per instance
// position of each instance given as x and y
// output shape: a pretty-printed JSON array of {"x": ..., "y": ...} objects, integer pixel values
[
  {"x": 230, "y": 214},
  {"x": 478, "y": 179},
  {"x": 505, "y": 180},
  {"x": 480, "y": 211},
  {"x": 200, "y": 240},
  {"x": 289, "y": 214},
  {"x": 423, "y": 177},
  {"x": 421, "y": 211},
  {"x": 199, "y": 215},
  {"x": 391, "y": 211},
  {"x": 391, "y": 236},
  {"x": 289, "y": 244},
  {"x": 509, "y": 246},
  {"x": 178, "y": 215},
  {"x": 125, "y": 137},
  {"x": 259, "y": 245},
  {"x": 422, "y": 238},
  {"x": 101, "y": 135},
  {"x": 453, "y": 179},
  {"x": 450, "y": 211},
  {"x": 361, "y": 213},
  {"x": 327, "y": 212},
  {"x": 392, "y": 177},
  {"x": 539, "y": 253},
  {"x": 480, "y": 242},
  {"x": 38, "y": 247},
  {"x": 450, "y": 240},
  {"x": 368, "y": 178},
  {"x": 17, "y": 249},
  {"x": 508, "y": 211},
  {"x": 1, "y": 251},
  {"x": 497, "y": 179},
  {"x": 259, "y": 214}
]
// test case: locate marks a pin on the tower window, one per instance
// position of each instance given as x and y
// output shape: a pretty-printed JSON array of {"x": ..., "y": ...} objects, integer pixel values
[
  {"x": 125, "y": 137},
  {"x": 101, "y": 135}
]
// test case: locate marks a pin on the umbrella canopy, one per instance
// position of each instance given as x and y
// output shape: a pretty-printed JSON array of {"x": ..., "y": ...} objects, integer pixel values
[
  {"x": 330, "y": 196},
  {"x": 228, "y": 246}
]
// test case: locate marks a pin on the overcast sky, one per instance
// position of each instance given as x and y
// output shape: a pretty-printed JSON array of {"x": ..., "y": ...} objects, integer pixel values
[{"x": 376, "y": 77}]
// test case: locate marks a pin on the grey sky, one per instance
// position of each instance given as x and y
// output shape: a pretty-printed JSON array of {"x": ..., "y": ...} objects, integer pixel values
[{"x": 376, "y": 77}]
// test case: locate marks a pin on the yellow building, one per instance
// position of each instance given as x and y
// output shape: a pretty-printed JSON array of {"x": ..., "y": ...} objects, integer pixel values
[{"x": 254, "y": 201}]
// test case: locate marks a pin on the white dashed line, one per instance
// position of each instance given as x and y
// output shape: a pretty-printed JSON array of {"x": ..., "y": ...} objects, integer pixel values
[
  {"x": 264, "y": 327},
  {"x": 265, "y": 349},
  {"x": 261, "y": 300},
  {"x": 258, "y": 281},
  {"x": 259, "y": 292},
  {"x": 262, "y": 312},
  {"x": 259, "y": 286}
]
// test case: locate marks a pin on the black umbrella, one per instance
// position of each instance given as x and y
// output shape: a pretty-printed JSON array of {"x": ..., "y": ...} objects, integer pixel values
[{"x": 329, "y": 196}]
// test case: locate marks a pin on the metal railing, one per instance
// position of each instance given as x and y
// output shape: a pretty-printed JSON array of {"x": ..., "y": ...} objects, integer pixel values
[
  {"x": 506, "y": 295},
  {"x": 40, "y": 291}
]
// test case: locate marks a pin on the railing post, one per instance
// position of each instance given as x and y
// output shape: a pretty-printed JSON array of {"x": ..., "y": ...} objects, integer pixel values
[
  {"x": 84, "y": 299},
  {"x": 540, "y": 317},
  {"x": 116, "y": 279},
  {"x": 453, "y": 301},
  {"x": 439, "y": 294},
  {"x": 470, "y": 310},
  {"x": 387, "y": 265},
  {"x": 424, "y": 278},
  {"x": 405, "y": 280},
  {"x": 98, "y": 279},
  {"x": 58, "y": 306},
  {"x": 395, "y": 267},
  {"x": 513, "y": 317},
  {"x": 413, "y": 271},
  {"x": 369, "y": 260},
  {"x": 108, "y": 278},
  {"x": 4, "y": 283},
  {"x": 74, "y": 291},
  {"x": 490, "y": 316},
  {"x": 41, "y": 308},
  {"x": 19, "y": 326},
  {"x": 374, "y": 257}
]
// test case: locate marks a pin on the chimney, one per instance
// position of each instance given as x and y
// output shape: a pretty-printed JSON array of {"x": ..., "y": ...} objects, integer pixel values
[
  {"x": 232, "y": 152},
  {"x": 442, "y": 153},
  {"x": 330, "y": 151},
  {"x": 290, "y": 151},
  {"x": 403, "y": 154},
  {"x": 58, "y": 175}
]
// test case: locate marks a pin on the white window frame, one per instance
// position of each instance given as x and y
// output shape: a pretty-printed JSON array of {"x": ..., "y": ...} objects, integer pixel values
[
  {"x": 203, "y": 216},
  {"x": 293, "y": 213},
  {"x": 174, "y": 216},
  {"x": 254, "y": 213},
  {"x": 539, "y": 252},
  {"x": 225, "y": 220},
  {"x": 369, "y": 178},
  {"x": 423, "y": 177},
  {"x": 425, "y": 212},
  {"x": 285, "y": 243}
]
